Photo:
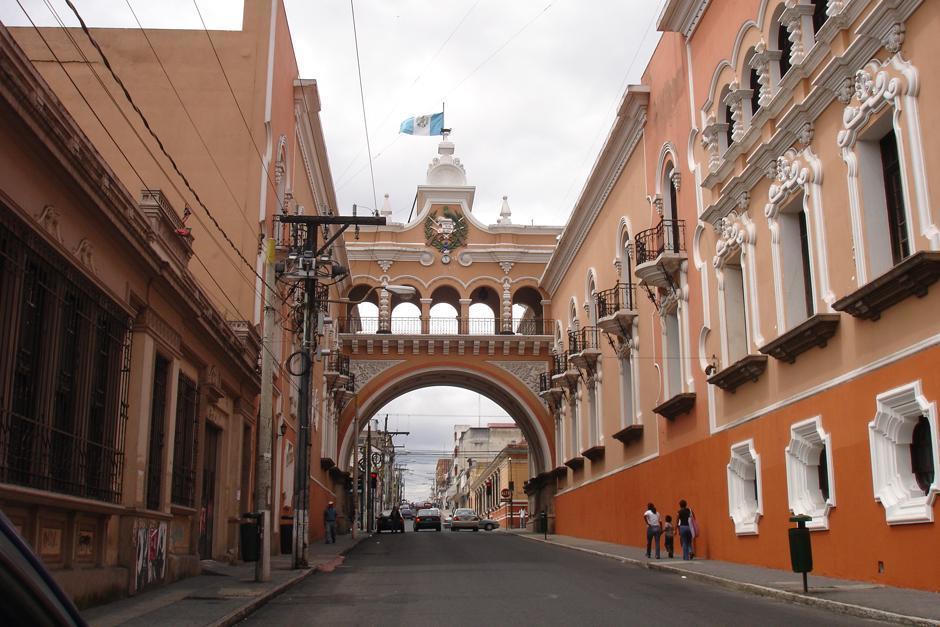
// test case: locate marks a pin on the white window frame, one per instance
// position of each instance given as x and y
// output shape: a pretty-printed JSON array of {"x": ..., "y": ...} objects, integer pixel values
[
  {"x": 807, "y": 439},
  {"x": 892, "y": 84},
  {"x": 743, "y": 508},
  {"x": 889, "y": 433}
]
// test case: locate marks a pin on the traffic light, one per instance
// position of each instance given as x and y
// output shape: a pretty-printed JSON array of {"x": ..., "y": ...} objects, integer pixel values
[{"x": 373, "y": 480}]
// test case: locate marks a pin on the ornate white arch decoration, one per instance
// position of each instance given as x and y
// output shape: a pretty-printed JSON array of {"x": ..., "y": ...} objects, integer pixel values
[
  {"x": 794, "y": 172},
  {"x": 892, "y": 83},
  {"x": 667, "y": 154},
  {"x": 737, "y": 235}
]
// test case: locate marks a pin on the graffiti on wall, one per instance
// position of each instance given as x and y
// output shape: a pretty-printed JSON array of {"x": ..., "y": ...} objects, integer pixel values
[{"x": 151, "y": 553}]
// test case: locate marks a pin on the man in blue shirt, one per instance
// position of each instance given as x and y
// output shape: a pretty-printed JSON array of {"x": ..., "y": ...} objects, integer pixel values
[{"x": 329, "y": 517}]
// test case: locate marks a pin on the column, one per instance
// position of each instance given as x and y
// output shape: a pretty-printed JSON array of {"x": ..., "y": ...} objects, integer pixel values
[
  {"x": 426, "y": 315},
  {"x": 506, "y": 325},
  {"x": 463, "y": 321},
  {"x": 385, "y": 311}
]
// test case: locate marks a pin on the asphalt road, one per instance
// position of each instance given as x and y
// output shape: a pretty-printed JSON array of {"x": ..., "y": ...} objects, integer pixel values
[{"x": 468, "y": 578}]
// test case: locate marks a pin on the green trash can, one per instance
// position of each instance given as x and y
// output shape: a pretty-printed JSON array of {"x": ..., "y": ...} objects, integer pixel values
[{"x": 801, "y": 550}]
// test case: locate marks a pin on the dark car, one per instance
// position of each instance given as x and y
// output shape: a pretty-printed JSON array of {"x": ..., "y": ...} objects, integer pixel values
[
  {"x": 28, "y": 593},
  {"x": 386, "y": 521},
  {"x": 428, "y": 519}
]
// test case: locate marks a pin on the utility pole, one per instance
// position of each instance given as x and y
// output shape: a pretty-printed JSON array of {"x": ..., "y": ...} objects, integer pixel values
[
  {"x": 368, "y": 488},
  {"x": 263, "y": 493},
  {"x": 309, "y": 257}
]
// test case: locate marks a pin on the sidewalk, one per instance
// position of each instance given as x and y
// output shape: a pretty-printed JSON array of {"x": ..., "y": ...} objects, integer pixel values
[
  {"x": 856, "y": 598},
  {"x": 220, "y": 596}
]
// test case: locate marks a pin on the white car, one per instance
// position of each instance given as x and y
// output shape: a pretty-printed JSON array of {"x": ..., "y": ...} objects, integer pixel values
[{"x": 465, "y": 518}]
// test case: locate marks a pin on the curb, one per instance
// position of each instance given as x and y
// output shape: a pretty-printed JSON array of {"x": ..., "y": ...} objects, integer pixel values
[
  {"x": 752, "y": 588},
  {"x": 243, "y": 612}
]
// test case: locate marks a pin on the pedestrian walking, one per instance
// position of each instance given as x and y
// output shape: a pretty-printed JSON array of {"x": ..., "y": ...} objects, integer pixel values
[
  {"x": 329, "y": 521},
  {"x": 653, "y": 528},
  {"x": 684, "y": 518},
  {"x": 522, "y": 517},
  {"x": 669, "y": 532}
]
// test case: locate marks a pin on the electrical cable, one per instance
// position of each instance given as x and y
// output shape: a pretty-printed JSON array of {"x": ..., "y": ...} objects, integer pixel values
[
  {"x": 146, "y": 123},
  {"x": 119, "y": 148},
  {"x": 192, "y": 122},
  {"x": 362, "y": 98}
]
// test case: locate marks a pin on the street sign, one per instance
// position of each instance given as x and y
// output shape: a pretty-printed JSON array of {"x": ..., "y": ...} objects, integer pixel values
[{"x": 504, "y": 493}]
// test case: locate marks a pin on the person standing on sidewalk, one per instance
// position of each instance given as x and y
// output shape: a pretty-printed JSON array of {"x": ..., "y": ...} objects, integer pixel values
[
  {"x": 669, "y": 532},
  {"x": 329, "y": 519},
  {"x": 684, "y": 517},
  {"x": 653, "y": 528}
]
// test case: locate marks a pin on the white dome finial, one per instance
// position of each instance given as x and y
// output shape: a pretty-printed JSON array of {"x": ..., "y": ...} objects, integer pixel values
[
  {"x": 445, "y": 169},
  {"x": 386, "y": 208},
  {"x": 505, "y": 215}
]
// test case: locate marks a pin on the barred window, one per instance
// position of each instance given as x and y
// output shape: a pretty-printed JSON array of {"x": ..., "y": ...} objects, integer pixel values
[
  {"x": 64, "y": 361},
  {"x": 185, "y": 443}
]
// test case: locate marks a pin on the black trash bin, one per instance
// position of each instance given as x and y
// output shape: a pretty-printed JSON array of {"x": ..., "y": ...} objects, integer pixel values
[
  {"x": 249, "y": 536},
  {"x": 287, "y": 535},
  {"x": 801, "y": 549}
]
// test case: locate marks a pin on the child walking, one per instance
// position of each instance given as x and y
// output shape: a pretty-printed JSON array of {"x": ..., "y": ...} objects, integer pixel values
[{"x": 669, "y": 533}]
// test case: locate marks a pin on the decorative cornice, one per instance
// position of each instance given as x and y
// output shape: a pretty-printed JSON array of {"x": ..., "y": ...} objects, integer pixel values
[
  {"x": 681, "y": 16},
  {"x": 826, "y": 86},
  {"x": 622, "y": 140}
]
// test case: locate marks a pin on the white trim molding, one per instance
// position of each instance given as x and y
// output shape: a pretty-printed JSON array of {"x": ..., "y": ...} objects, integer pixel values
[
  {"x": 745, "y": 505},
  {"x": 791, "y": 173},
  {"x": 879, "y": 84},
  {"x": 889, "y": 433},
  {"x": 808, "y": 441}
]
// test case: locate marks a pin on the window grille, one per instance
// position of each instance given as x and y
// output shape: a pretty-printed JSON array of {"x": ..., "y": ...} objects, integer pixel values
[{"x": 185, "y": 443}]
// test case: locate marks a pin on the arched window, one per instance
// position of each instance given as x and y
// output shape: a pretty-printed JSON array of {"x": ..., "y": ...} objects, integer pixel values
[
  {"x": 753, "y": 83},
  {"x": 785, "y": 47},
  {"x": 819, "y": 17},
  {"x": 796, "y": 271}
]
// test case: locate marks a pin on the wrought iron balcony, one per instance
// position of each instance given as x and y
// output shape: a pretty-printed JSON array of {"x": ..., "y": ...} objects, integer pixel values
[
  {"x": 583, "y": 348},
  {"x": 336, "y": 371},
  {"x": 616, "y": 309},
  {"x": 564, "y": 373},
  {"x": 548, "y": 389},
  {"x": 344, "y": 394},
  {"x": 659, "y": 251}
]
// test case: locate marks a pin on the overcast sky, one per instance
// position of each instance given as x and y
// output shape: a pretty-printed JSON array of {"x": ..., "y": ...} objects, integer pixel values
[{"x": 530, "y": 89}]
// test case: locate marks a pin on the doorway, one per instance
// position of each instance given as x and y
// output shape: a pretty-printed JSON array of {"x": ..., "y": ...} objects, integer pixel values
[{"x": 207, "y": 507}]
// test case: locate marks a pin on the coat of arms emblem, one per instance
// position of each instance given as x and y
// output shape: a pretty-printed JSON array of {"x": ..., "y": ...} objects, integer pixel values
[{"x": 445, "y": 232}]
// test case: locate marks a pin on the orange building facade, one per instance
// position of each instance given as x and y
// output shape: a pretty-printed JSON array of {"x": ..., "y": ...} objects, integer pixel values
[{"x": 746, "y": 317}]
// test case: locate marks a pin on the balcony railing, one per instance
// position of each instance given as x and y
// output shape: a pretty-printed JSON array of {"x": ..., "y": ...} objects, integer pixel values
[
  {"x": 545, "y": 381},
  {"x": 445, "y": 326},
  {"x": 583, "y": 339},
  {"x": 337, "y": 362},
  {"x": 559, "y": 363},
  {"x": 666, "y": 237},
  {"x": 619, "y": 298}
]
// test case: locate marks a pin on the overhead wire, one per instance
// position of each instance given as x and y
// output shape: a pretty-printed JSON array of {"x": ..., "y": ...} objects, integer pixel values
[
  {"x": 153, "y": 134},
  {"x": 117, "y": 145},
  {"x": 362, "y": 98}
]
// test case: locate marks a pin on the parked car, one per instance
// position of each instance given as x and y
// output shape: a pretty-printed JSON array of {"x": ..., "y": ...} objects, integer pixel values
[
  {"x": 386, "y": 522},
  {"x": 29, "y": 594},
  {"x": 488, "y": 524},
  {"x": 428, "y": 519},
  {"x": 407, "y": 513},
  {"x": 465, "y": 519}
]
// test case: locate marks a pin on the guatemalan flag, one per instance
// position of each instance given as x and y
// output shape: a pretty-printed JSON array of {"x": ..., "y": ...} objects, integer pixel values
[{"x": 431, "y": 124}]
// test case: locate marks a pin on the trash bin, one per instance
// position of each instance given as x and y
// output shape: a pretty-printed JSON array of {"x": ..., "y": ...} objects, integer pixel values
[
  {"x": 249, "y": 537},
  {"x": 801, "y": 550},
  {"x": 287, "y": 535}
]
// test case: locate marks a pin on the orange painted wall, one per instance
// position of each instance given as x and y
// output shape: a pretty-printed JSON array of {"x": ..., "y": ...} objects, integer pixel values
[{"x": 858, "y": 536}]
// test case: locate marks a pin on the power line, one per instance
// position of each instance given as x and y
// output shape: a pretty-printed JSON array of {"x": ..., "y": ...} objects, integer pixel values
[
  {"x": 119, "y": 148},
  {"x": 146, "y": 122},
  {"x": 362, "y": 98}
]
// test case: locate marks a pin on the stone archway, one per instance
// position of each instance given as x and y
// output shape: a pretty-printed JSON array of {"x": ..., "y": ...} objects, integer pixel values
[{"x": 496, "y": 380}]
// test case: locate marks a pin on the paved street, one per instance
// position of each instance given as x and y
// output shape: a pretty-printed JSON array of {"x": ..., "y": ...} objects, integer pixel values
[{"x": 493, "y": 578}]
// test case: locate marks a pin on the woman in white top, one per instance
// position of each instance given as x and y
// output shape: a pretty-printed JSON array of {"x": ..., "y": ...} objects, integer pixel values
[{"x": 653, "y": 528}]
